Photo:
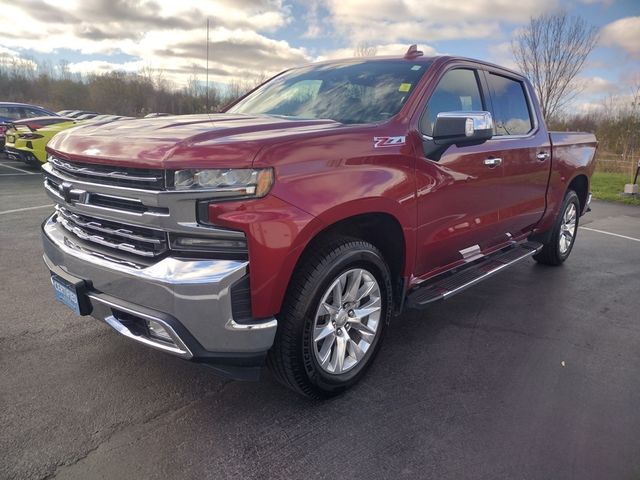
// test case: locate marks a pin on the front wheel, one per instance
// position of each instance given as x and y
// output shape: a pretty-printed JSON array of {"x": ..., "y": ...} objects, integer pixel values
[
  {"x": 557, "y": 249},
  {"x": 333, "y": 319}
]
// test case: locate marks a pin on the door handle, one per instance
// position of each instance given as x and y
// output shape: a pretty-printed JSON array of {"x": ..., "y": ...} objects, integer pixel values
[
  {"x": 542, "y": 156},
  {"x": 493, "y": 162}
]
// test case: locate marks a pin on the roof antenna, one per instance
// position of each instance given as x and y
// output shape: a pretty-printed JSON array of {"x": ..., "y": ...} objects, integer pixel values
[{"x": 413, "y": 52}]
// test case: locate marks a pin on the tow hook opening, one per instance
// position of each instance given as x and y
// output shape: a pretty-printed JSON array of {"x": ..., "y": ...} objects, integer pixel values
[
  {"x": 151, "y": 331},
  {"x": 144, "y": 327}
]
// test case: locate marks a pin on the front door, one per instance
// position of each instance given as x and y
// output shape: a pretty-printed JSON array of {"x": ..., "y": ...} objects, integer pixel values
[{"x": 459, "y": 193}]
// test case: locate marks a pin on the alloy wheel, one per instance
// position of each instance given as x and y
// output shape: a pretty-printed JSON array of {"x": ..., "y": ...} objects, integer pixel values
[
  {"x": 568, "y": 228},
  {"x": 347, "y": 321}
]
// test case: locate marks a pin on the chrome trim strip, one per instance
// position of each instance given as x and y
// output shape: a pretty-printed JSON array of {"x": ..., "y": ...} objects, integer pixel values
[
  {"x": 180, "y": 348},
  {"x": 118, "y": 174},
  {"x": 91, "y": 253},
  {"x": 116, "y": 211},
  {"x": 116, "y": 197},
  {"x": 233, "y": 325},
  {"x": 83, "y": 235},
  {"x": 96, "y": 225},
  {"x": 52, "y": 190}
]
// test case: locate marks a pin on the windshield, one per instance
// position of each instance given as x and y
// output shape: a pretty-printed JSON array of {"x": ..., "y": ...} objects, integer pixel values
[{"x": 359, "y": 92}]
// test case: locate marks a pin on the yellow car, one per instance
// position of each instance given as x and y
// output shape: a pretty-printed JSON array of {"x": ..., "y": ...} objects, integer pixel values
[{"x": 26, "y": 139}]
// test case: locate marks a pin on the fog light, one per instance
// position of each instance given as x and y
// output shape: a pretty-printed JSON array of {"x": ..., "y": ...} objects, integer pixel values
[
  {"x": 156, "y": 330},
  {"x": 204, "y": 243}
]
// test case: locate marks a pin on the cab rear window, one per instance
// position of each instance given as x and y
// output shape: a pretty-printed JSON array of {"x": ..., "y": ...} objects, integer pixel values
[{"x": 512, "y": 115}]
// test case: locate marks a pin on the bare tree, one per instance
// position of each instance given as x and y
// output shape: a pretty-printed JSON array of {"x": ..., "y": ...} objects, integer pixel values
[
  {"x": 363, "y": 49},
  {"x": 551, "y": 51}
]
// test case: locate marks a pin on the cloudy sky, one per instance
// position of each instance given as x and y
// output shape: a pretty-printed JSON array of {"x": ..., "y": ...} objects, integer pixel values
[{"x": 251, "y": 38}]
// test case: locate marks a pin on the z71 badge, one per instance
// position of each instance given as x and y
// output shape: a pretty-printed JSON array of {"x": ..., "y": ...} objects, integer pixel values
[{"x": 379, "y": 142}]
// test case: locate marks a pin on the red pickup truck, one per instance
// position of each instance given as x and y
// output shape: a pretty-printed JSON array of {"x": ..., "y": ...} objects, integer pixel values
[{"x": 291, "y": 228}]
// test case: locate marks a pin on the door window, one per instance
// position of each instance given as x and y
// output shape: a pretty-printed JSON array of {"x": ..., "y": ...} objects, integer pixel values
[
  {"x": 511, "y": 110},
  {"x": 458, "y": 90}
]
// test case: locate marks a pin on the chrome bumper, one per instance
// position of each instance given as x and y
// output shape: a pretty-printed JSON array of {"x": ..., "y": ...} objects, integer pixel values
[{"x": 190, "y": 296}]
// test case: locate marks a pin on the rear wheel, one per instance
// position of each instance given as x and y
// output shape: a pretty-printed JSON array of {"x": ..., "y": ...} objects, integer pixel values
[
  {"x": 333, "y": 319},
  {"x": 563, "y": 235}
]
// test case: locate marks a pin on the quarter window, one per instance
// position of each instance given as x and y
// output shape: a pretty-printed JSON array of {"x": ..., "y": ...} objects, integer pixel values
[
  {"x": 12, "y": 113},
  {"x": 458, "y": 90},
  {"x": 511, "y": 110}
]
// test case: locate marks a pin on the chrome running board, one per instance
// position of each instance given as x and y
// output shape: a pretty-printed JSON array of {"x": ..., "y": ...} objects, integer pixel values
[{"x": 455, "y": 281}]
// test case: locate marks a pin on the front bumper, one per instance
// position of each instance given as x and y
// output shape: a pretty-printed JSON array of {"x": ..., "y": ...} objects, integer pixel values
[
  {"x": 21, "y": 155},
  {"x": 190, "y": 297}
]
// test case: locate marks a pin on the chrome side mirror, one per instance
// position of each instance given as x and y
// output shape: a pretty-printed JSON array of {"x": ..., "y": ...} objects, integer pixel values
[{"x": 462, "y": 127}]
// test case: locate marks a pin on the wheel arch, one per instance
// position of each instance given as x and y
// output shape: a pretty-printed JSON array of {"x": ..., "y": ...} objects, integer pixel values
[
  {"x": 381, "y": 227},
  {"x": 580, "y": 185}
]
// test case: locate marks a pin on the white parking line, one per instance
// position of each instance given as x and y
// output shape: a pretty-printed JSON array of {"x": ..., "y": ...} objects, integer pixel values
[
  {"x": 18, "y": 169},
  {"x": 14, "y": 174},
  {"x": 612, "y": 234},
  {"x": 26, "y": 209}
]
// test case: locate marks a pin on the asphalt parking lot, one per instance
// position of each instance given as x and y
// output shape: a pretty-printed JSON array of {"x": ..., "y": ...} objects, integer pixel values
[{"x": 532, "y": 374}]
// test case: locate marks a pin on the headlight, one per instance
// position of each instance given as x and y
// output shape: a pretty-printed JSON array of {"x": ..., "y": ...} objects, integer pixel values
[{"x": 230, "y": 182}]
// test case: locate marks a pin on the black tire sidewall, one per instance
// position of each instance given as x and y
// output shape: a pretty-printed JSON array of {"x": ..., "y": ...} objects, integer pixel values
[{"x": 369, "y": 260}]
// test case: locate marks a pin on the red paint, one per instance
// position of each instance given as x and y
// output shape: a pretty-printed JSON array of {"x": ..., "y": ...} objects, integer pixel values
[{"x": 327, "y": 172}]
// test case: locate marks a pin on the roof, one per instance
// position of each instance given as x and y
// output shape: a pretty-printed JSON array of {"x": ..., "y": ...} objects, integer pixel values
[
  {"x": 17, "y": 104},
  {"x": 416, "y": 59}
]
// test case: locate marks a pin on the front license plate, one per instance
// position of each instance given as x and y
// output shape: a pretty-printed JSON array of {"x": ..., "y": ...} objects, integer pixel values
[{"x": 66, "y": 294}]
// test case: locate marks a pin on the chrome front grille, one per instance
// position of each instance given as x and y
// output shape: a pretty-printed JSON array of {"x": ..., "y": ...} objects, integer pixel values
[
  {"x": 132, "y": 225},
  {"x": 137, "y": 240},
  {"x": 100, "y": 200},
  {"x": 144, "y": 178}
]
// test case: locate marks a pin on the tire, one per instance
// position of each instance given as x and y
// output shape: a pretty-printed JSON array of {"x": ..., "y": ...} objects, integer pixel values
[
  {"x": 558, "y": 248},
  {"x": 296, "y": 358}
]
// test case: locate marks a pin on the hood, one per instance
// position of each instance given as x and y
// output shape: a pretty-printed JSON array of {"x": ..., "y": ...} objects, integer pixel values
[{"x": 194, "y": 141}]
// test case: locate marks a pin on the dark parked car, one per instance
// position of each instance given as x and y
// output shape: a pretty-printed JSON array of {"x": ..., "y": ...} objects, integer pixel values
[{"x": 10, "y": 111}]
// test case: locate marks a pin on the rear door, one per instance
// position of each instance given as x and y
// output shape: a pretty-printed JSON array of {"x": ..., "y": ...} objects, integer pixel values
[
  {"x": 459, "y": 193},
  {"x": 523, "y": 145}
]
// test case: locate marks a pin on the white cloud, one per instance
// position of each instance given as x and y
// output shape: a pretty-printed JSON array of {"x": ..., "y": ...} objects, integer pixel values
[
  {"x": 168, "y": 35},
  {"x": 501, "y": 54},
  {"x": 597, "y": 85},
  {"x": 100, "y": 66},
  {"x": 7, "y": 51},
  {"x": 381, "y": 50},
  {"x": 428, "y": 20},
  {"x": 623, "y": 33}
]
